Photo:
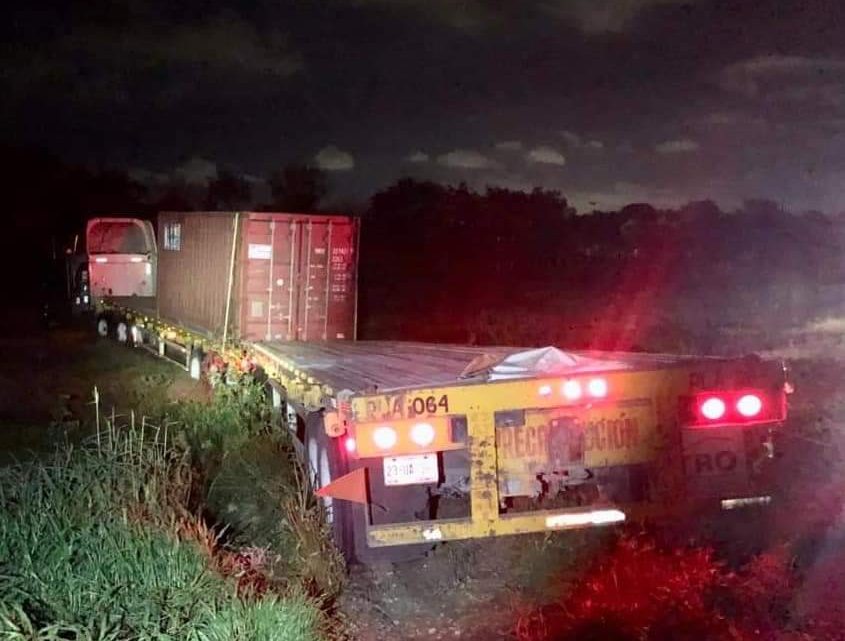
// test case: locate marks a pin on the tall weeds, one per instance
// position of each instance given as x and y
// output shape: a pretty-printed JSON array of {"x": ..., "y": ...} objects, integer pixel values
[{"x": 105, "y": 541}]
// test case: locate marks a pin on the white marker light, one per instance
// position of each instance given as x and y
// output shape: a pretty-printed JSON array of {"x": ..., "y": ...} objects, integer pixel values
[
  {"x": 593, "y": 517},
  {"x": 571, "y": 390},
  {"x": 733, "y": 504},
  {"x": 384, "y": 437},
  {"x": 597, "y": 388},
  {"x": 422, "y": 434}
]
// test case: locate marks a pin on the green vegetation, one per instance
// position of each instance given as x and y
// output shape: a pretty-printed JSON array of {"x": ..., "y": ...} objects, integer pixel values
[{"x": 116, "y": 539}]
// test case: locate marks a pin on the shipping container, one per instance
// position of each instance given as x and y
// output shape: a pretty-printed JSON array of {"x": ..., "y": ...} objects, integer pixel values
[{"x": 259, "y": 275}]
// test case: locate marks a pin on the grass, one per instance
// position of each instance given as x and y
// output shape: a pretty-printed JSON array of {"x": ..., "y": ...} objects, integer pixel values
[{"x": 108, "y": 540}]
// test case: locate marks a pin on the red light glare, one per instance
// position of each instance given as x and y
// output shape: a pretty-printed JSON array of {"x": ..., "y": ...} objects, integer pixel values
[
  {"x": 749, "y": 405},
  {"x": 571, "y": 390},
  {"x": 597, "y": 388},
  {"x": 384, "y": 437},
  {"x": 713, "y": 408},
  {"x": 351, "y": 445}
]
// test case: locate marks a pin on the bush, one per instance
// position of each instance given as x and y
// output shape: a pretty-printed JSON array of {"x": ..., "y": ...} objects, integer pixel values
[{"x": 643, "y": 592}]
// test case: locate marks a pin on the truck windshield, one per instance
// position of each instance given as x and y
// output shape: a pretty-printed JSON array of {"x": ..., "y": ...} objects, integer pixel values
[{"x": 117, "y": 238}]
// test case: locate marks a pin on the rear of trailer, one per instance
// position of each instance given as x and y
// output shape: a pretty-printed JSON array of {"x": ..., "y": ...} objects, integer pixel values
[
  {"x": 412, "y": 443},
  {"x": 415, "y": 443}
]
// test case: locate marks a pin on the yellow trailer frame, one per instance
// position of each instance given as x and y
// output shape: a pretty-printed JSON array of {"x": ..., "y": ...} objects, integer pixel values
[{"x": 479, "y": 402}]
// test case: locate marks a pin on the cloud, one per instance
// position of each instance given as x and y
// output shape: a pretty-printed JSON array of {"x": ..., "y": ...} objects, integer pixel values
[
  {"x": 330, "y": 158},
  {"x": 217, "y": 43},
  {"x": 196, "y": 171},
  {"x": 575, "y": 141},
  {"x": 603, "y": 16},
  {"x": 509, "y": 145},
  {"x": 147, "y": 176},
  {"x": 119, "y": 63},
  {"x": 787, "y": 79},
  {"x": 591, "y": 16},
  {"x": 571, "y": 138},
  {"x": 465, "y": 159},
  {"x": 417, "y": 157},
  {"x": 467, "y": 15},
  {"x": 680, "y": 146},
  {"x": 546, "y": 155}
]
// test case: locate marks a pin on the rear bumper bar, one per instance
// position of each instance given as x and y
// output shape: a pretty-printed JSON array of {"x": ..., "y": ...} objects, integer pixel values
[{"x": 523, "y": 523}]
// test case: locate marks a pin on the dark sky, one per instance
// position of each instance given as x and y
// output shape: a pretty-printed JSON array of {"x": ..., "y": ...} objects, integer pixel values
[{"x": 609, "y": 101}]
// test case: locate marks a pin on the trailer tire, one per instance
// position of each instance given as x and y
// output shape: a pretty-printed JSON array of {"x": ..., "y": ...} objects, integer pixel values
[
  {"x": 195, "y": 363},
  {"x": 103, "y": 326},
  {"x": 121, "y": 332},
  {"x": 325, "y": 462}
]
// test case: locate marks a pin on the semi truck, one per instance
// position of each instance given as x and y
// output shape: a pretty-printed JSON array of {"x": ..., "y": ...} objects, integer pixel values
[{"x": 409, "y": 443}]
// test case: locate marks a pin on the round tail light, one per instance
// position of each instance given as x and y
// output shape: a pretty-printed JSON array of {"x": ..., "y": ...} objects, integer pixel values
[
  {"x": 384, "y": 437},
  {"x": 749, "y": 405},
  {"x": 351, "y": 445},
  {"x": 713, "y": 408},
  {"x": 597, "y": 388},
  {"x": 571, "y": 390},
  {"x": 422, "y": 434}
]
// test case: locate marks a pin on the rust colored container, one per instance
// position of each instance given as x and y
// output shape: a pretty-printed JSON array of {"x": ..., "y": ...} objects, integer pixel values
[{"x": 270, "y": 276}]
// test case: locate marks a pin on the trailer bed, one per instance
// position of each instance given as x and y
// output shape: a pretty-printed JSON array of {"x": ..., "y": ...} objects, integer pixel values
[{"x": 370, "y": 366}]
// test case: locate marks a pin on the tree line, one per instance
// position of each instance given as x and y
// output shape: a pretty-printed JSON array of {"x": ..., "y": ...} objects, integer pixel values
[{"x": 451, "y": 263}]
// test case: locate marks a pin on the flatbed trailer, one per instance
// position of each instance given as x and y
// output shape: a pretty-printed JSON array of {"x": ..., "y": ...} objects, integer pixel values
[
  {"x": 410, "y": 444},
  {"x": 505, "y": 455}
]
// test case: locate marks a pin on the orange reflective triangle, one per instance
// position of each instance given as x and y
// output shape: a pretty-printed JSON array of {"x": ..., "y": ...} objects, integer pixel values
[{"x": 350, "y": 487}]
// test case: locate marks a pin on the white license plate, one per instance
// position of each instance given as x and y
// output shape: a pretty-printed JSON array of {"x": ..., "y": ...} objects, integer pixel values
[{"x": 408, "y": 470}]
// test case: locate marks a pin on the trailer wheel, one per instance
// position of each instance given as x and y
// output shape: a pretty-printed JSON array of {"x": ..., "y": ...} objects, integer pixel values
[
  {"x": 103, "y": 327},
  {"x": 195, "y": 364},
  {"x": 325, "y": 462},
  {"x": 121, "y": 332}
]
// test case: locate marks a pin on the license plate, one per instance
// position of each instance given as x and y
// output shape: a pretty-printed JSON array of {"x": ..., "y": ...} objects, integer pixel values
[{"x": 409, "y": 470}]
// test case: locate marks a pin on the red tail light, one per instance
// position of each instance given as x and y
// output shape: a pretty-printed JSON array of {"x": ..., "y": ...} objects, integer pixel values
[
  {"x": 749, "y": 405},
  {"x": 734, "y": 407},
  {"x": 712, "y": 408}
]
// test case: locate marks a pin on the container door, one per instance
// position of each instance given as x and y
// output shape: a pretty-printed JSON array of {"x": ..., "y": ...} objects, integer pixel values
[
  {"x": 326, "y": 296},
  {"x": 271, "y": 268},
  {"x": 299, "y": 278}
]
